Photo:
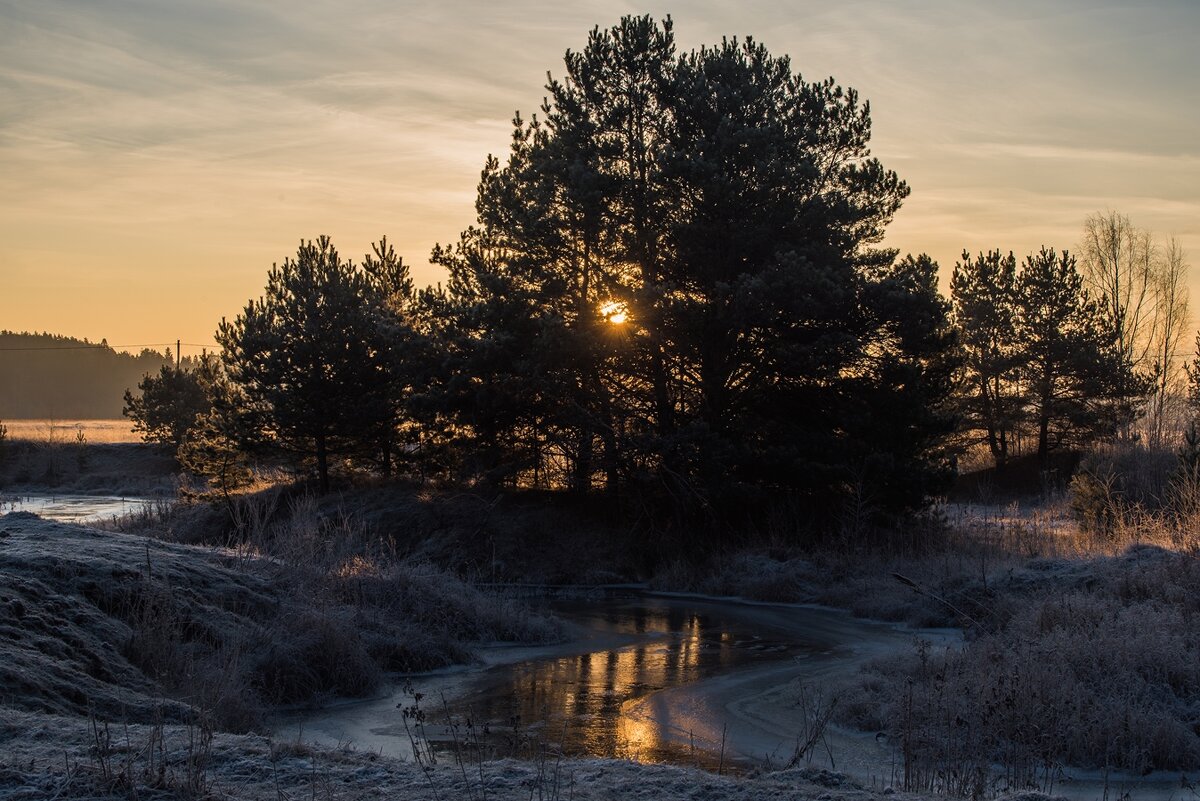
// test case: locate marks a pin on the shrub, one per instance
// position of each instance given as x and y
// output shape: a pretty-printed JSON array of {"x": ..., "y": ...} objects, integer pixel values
[
  {"x": 1103, "y": 674},
  {"x": 1094, "y": 502}
]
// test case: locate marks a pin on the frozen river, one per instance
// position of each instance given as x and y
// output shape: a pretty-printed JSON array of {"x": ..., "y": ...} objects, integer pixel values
[
  {"x": 722, "y": 684},
  {"x": 653, "y": 678},
  {"x": 72, "y": 508}
]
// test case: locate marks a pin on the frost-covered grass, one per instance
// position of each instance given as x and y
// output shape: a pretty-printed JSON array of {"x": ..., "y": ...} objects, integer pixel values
[
  {"x": 1081, "y": 646},
  {"x": 44, "y": 757},
  {"x": 1087, "y": 663},
  {"x": 330, "y": 554},
  {"x": 111, "y": 622},
  {"x": 540, "y": 538}
]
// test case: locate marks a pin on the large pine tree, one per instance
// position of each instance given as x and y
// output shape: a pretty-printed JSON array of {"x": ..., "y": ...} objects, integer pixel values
[{"x": 677, "y": 270}]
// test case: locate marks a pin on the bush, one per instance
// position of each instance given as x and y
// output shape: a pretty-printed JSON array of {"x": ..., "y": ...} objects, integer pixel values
[
  {"x": 1105, "y": 674},
  {"x": 1117, "y": 479},
  {"x": 315, "y": 654},
  {"x": 1095, "y": 503}
]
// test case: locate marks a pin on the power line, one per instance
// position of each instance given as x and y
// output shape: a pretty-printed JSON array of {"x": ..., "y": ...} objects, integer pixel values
[{"x": 93, "y": 346}]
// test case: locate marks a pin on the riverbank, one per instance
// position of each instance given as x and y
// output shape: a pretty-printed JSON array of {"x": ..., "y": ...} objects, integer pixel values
[
  {"x": 136, "y": 629},
  {"x": 123, "y": 656},
  {"x": 45, "y": 756},
  {"x": 1021, "y": 583},
  {"x": 60, "y": 464}
]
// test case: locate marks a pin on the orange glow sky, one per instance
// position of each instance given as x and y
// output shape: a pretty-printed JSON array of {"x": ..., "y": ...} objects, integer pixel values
[{"x": 156, "y": 158}]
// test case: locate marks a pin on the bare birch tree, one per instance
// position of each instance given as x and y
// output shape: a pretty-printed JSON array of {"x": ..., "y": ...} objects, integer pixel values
[
  {"x": 1170, "y": 321},
  {"x": 1119, "y": 265}
]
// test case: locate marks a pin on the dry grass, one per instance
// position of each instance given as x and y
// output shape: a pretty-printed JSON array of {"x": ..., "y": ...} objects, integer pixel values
[
  {"x": 1081, "y": 644},
  {"x": 1080, "y": 640},
  {"x": 1086, "y": 663},
  {"x": 53, "y": 430},
  {"x": 351, "y": 607},
  {"x": 86, "y": 468},
  {"x": 296, "y": 609}
]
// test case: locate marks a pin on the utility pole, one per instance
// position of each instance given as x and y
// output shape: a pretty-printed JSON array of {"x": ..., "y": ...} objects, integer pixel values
[{"x": 177, "y": 353}]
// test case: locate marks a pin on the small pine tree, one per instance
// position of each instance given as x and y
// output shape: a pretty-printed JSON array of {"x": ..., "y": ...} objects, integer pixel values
[
  {"x": 168, "y": 404},
  {"x": 81, "y": 449},
  {"x": 1081, "y": 386},
  {"x": 984, "y": 292},
  {"x": 312, "y": 358},
  {"x": 211, "y": 451}
]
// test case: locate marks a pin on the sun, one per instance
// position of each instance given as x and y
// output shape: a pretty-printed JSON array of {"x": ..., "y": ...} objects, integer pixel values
[{"x": 614, "y": 312}]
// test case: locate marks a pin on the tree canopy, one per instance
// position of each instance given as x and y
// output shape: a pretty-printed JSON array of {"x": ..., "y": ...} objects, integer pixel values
[
  {"x": 731, "y": 211},
  {"x": 675, "y": 293},
  {"x": 1040, "y": 354},
  {"x": 313, "y": 357}
]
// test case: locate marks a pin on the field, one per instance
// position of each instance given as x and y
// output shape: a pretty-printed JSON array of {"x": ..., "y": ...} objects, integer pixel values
[{"x": 96, "y": 431}]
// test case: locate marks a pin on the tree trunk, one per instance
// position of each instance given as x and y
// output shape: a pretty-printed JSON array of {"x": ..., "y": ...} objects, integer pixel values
[
  {"x": 322, "y": 464},
  {"x": 1043, "y": 451},
  {"x": 386, "y": 457},
  {"x": 997, "y": 436},
  {"x": 582, "y": 481},
  {"x": 612, "y": 477}
]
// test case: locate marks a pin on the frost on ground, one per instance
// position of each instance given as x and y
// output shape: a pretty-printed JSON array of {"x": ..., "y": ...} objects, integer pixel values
[
  {"x": 44, "y": 756},
  {"x": 112, "y": 623},
  {"x": 81, "y": 610},
  {"x": 1092, "y": 664},
  {"x": 1078, "y": 654}
]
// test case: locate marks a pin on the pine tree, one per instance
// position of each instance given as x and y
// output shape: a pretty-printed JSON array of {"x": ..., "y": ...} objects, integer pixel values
[
  {"x": 1082, "y": 385},
  {"x": 393, "y": 302},
  {"x": 311, "y": 358},
  {"x": 984, "y": 292},
  {"x": 168, "y": 404},
  {"x": 731, "y": 211}
]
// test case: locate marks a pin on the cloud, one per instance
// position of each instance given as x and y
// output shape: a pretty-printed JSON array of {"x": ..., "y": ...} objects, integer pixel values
[{"x": 130, "y": 126}]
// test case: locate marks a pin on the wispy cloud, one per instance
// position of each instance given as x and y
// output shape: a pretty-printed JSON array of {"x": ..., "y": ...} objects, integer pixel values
[{"x": 184, "y": 146}]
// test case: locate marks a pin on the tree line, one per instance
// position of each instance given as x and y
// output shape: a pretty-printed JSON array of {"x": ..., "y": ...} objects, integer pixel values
[
  {"x": 674, "y": 292},
  {"x": 1062, "y": 354},
  {"x": 50, "y": 376}
]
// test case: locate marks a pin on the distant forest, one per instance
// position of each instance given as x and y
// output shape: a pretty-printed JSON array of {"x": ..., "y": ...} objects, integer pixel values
[{"x": 45, "y": 375}]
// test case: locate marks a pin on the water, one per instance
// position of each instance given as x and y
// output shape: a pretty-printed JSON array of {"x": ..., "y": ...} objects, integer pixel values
[
  {"x": 692, "y": 681},
  {"x": 592, "y": 703},
  {"x": 656, "y": 679},
  {"x": 73, "y": 508}
]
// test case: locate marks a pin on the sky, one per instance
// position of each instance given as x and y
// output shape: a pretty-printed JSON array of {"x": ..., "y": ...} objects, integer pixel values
[{"x": 157, "y": 156}]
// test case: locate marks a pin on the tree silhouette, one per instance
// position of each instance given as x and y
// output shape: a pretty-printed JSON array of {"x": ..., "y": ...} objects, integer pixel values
[
  {"x": 311, "y": 358},
  {"x": 168, "y": 404},
  {"x": 1081, "y": 380},
  {"x": 731, "y": 211},
  {"x": 984, "y": 292}
]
